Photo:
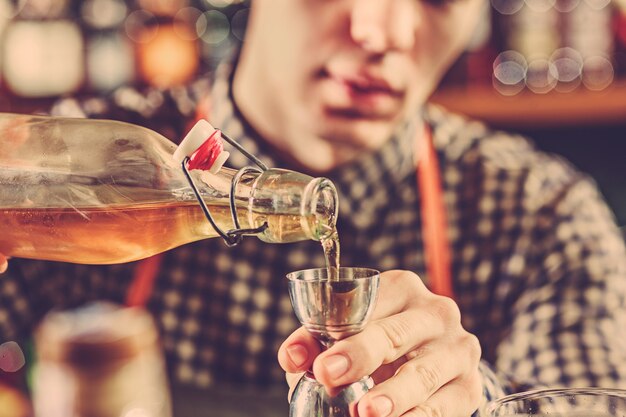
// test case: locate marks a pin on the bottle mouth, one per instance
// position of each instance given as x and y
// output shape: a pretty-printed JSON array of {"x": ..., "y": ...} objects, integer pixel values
[{"x": 320, "y": 207}]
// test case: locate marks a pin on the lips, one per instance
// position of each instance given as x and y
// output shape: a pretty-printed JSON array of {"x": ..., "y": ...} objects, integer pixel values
[
  {"x": 364, "y": 84},
  {"x": 359, "y": 94}
]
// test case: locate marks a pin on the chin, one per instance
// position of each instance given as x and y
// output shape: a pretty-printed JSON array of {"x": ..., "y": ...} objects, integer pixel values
[{"x": 361, "y": 135}]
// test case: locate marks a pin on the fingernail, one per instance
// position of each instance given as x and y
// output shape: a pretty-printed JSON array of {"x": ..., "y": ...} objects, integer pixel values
[
  {"x": 4, "y": 266},
  {"x": 297, "y": 354},
  {"x": 336, "y": 365},
  {"x": 383, "y": 405}
]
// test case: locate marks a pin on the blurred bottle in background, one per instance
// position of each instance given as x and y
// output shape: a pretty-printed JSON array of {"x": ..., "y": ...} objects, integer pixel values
[{"x": 99, "y": 360}]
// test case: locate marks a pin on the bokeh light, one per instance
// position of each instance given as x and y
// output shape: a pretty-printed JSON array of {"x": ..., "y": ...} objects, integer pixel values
[
  {"x": 220, "y": 3},
  {"x": 566, "y": 6},
  {"x": 43, "y": 58},
  {"x": 39, "y": 9},
  {"x": 507, "y": 7},
  {"x": 598, "y": 73},
  {"x": 110, "y": 62},
  {"x": 239, "y": 23},
  {"x": 540, "y": 5},
  {"x": 536, "y": 34},
  {"x": 568, "y": 64},
  {"x": 103, "y": 14},
  {"x": 167, "y": 59},
  {"x": 188, "y": 22},
  {"x": 141, "y": 26},
  {"x": 598, "y": 4},
  {"x": 541, "y": 76},
  {"x": 217, "y": 27},
  {"x": 162, "y": 7},
  {"x": 509, "y": 73}
]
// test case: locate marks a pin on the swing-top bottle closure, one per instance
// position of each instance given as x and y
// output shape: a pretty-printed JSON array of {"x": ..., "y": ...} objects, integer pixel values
[{"x": 203, "y": 149}]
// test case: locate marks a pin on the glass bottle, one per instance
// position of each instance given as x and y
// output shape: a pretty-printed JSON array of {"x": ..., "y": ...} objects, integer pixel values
[{"x": 102, "y": 191}]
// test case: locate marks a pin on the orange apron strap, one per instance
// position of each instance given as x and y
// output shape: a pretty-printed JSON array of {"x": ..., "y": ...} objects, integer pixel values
[
  {"x": 434, "y": 221},
  {"x": 143, "y": 281}
]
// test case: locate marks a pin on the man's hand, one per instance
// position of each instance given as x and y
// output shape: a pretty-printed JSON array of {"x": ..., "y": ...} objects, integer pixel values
[
  {"x": 422, "y": 360},
  {"x": 4, "y": 263}
]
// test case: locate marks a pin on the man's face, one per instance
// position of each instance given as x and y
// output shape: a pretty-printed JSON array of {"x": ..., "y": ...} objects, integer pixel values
[{"x": 348, "y": 71}]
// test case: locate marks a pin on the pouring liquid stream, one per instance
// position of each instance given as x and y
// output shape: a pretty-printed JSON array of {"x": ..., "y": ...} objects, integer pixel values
[{"x": 330, "y": 245}]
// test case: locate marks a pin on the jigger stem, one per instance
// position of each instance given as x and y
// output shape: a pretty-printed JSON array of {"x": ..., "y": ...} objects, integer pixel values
[{"x": 311, "y": 399}]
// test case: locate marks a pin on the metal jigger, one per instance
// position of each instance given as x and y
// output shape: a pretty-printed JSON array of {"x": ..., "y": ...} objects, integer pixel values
[{"x": 331, "y": 310}]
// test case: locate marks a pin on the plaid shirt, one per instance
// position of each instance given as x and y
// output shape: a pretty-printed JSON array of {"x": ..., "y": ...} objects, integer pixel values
[{"x": 539, "y": 266}]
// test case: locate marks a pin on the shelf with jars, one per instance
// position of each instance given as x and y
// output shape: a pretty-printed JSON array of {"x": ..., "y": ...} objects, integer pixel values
[{"x": 543, "y": 63}]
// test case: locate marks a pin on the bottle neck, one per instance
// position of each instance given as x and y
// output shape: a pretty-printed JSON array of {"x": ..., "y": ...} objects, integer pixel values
[
  {"x": 294, "y": 206},
  {"x": 320, "y": 208}
]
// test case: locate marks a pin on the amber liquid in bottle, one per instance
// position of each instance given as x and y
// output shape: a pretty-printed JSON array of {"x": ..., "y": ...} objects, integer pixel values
[
  {"x": 116, "y": 234},
  {"x": 101, "y": 192}
]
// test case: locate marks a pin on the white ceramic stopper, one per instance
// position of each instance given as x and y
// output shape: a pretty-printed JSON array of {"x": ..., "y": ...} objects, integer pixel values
[{"x": 198, "y": 134}]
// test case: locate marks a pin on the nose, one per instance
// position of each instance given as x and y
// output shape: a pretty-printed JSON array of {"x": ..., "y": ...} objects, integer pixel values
[{"x": 382, "y": 25}]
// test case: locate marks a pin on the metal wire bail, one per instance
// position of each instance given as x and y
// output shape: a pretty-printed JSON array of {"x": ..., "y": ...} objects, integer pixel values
[{"x": 234, "y": 236}]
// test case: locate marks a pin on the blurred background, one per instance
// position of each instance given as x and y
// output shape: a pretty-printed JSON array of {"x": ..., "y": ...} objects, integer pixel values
[{"x": 553, "y": 69}]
